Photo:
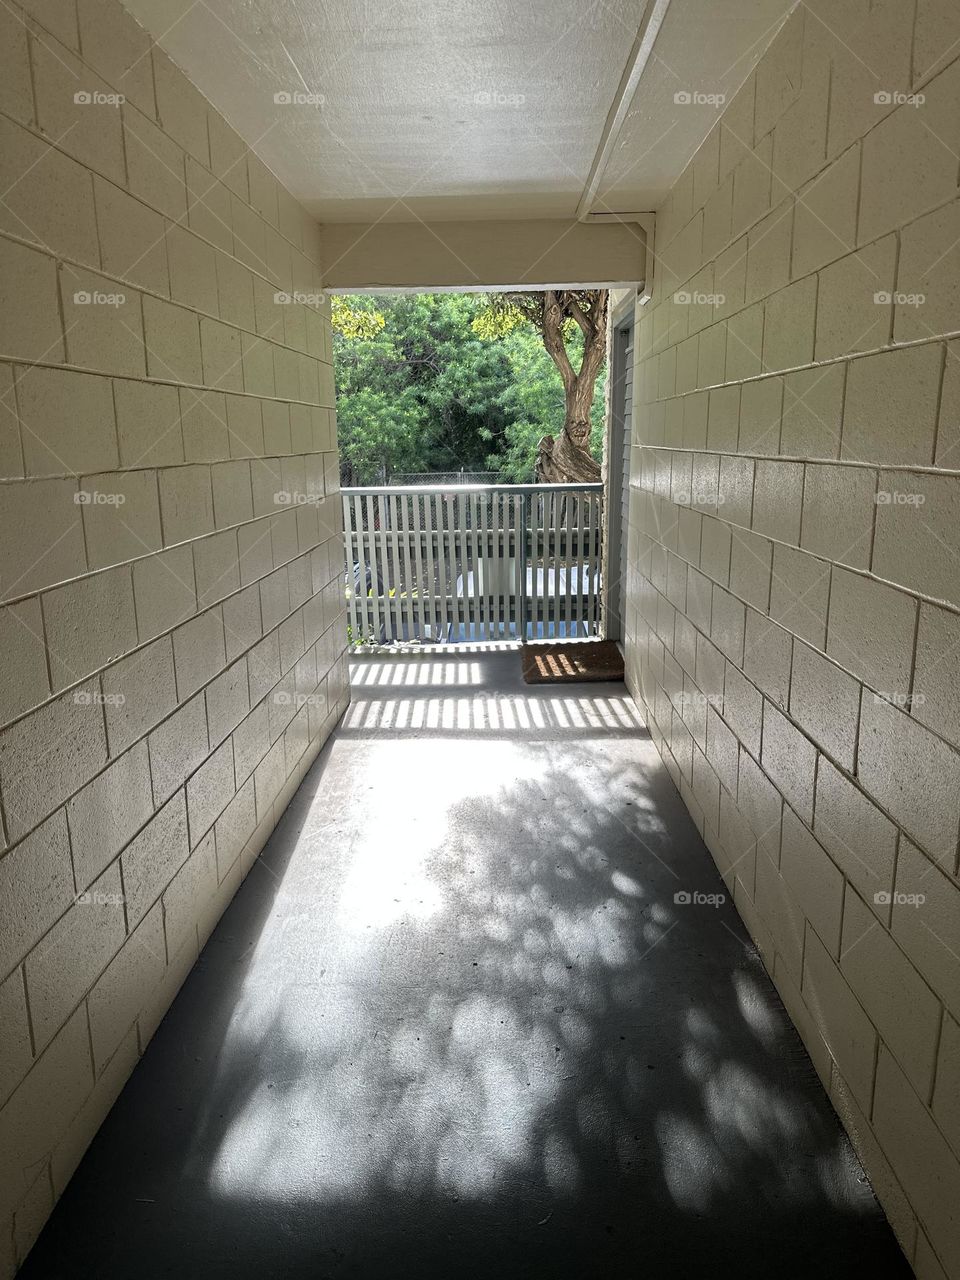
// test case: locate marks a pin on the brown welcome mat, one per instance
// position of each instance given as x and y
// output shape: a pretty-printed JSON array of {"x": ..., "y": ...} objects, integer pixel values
[{"x": 575, "y": 660}]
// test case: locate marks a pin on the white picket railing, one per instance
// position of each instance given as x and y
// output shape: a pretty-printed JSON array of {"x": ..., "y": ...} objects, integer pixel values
[{"x": 473, "y": 562}]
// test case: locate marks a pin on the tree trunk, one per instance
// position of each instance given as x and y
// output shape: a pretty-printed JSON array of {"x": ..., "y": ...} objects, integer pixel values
[{"x": 567, "y": 460}]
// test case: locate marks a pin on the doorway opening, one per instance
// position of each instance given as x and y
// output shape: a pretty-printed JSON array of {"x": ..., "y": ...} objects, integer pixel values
[{"x": 471, "y": 433}]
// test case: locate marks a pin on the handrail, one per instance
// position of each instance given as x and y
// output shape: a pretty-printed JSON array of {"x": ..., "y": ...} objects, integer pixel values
[{"x": 384, "y": 489}]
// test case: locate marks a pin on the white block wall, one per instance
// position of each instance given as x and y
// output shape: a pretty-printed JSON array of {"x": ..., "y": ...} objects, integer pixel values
[
  {"x": 794, "y": 594},
  {"x": 172, "y": 646}
]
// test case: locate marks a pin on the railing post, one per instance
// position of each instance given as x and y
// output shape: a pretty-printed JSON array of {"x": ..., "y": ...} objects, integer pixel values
[{"x": 522, "y": 554}]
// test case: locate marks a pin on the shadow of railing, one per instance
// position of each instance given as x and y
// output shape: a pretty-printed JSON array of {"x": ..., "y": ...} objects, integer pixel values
[{"x": 465, "y": 696}]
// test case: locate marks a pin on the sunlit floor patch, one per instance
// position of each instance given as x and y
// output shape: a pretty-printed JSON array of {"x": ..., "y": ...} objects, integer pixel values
[{"x": 456, "y": 1022}]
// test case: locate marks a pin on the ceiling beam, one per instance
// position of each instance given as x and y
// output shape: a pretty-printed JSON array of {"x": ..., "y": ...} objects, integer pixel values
[
  {"x": 639, "y": 55},
  {"x": 481, "y": 255}
]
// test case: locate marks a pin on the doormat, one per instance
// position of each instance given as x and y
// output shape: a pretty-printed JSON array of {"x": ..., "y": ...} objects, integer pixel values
[{"x": 587, "y": 660}]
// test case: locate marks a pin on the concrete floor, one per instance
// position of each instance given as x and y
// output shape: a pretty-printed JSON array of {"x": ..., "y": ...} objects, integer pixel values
[{"x": 454, "y": 1024}]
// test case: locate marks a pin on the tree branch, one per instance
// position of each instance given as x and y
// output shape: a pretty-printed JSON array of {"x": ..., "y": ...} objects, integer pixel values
[
  {"x": 553, "y": 338},
  {"x": 588, "y": 328}
]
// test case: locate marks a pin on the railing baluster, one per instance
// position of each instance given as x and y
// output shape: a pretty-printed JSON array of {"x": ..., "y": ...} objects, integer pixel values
[
  {"x": 557, "y": 592},
  {"x": 550, "y": 578},
  {"x": 591, "y": 578},
  {"x": 579, "y": 609},
  {"x": 554, "y": 579},
  {"x": 559, "y": 515},
  {"x": 350, "y": 543},
  {"x": 425, "y": 536},
  {"x": 598, "y": 498},
  {"x": 534, "y": 523},
  {"x": 406, "y": 565},
  {"x": 543, "y": 562},
  {"x": 533, "y": 503},
  {"x": 557, "y": 567},
  {"x": 475, "y": 520},
  {"x": 416, "y": 562},
  {"x": 588, "y": 568},
  {"x": 563, "y": 542},
  {"x": 569, "y": 507},
  {"x": 363, "y": 560},
  {"x": 399, "y": 600},
  {"x": 453, "y": 562},
  {"x": 470, "y": 554},
  {"x": 463, "y": 531},
  {"x": 455, "y": 533},
  {"x": 353, "y": 531},
  {"x": 492, "y": 559},
  {"x": 483, "y": 581},
  {"x": 442, "y": 560},
  {"x": 469, "y": 564},
  {"x": 388, "y": 568},
  {"x": 375, "y": 586},
  {"x": 394, "y": 539},
  {"x": 396, "y": 554},
  {"x": 520, "y": 503},
  {"x": 379, "y": 531},
  {"x": 478, "y": 566},
  {"x": 502, "y": 522},
  {"x": 567, "y": 517}
]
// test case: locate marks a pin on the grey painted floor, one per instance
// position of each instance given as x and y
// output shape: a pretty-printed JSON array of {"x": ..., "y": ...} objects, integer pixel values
[{"x": 455, "y": 1025}]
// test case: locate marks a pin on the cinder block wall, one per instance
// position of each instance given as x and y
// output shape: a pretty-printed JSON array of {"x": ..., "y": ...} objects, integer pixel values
[
  {"x": 793, "y": 627},
  {"x": 172, "y": 628}
]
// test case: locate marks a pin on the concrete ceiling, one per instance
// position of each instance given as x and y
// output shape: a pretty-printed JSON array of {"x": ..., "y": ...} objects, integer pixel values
[{"x": 464, "y": 109}]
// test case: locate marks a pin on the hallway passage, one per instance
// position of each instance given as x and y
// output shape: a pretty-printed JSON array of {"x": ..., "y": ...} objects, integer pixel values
[{"x": 456, "y": 1022}]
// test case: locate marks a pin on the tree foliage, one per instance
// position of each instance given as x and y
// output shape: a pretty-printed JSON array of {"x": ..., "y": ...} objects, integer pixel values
[
  {"x": 436, "y": 382},
  {"x": 352, "y": 321}
]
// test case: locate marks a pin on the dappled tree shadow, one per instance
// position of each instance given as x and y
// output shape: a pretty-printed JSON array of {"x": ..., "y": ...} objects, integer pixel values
[{"x": 475, "y": 1038}]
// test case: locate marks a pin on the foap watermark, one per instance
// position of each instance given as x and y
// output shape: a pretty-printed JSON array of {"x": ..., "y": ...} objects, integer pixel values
[
  {"x": 94, "y": 698},
  {"x": 292, "y": 498},
  {"x": 898, "y": 98},
  {"x": 696, "y": 98},
  {"x": 883, "y": 299},
  {"x": 94, "y": 898},
  {"x": 283, "y": 699},
  {"x": 699, "y": 498},
  {"x": 297, "y": 298},
  {"x": 694, "y": 898},
  {"x": 498, "y": 98},
  {"x": 97, "y": 98},
  {"x": 896, "y": 498},
  {"x": 298, "y": 98},
  {"x": 686, "y": 298},
  {"x": 885, "y": 899},
  {"x": 903, "y": 700},
  {"x": 94, "y": 498},
  {"x": 95, "y": 298}
]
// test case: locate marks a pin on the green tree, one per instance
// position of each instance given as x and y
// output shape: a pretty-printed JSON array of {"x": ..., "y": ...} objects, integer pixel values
[
  {"x": 379, "y": 419},
  {"x": 418, "y": 392},
  {"x": 422, "y": 386}
]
